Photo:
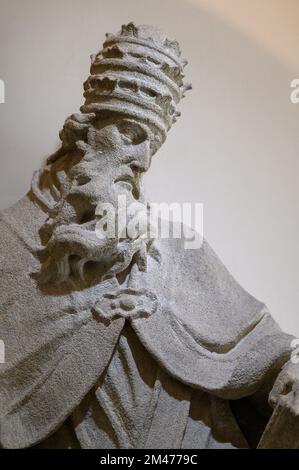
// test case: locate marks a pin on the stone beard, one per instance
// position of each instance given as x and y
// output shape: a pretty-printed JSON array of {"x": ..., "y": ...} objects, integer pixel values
[
  {"x": 125, "y": 341},
  {"x": 111, "y": 162}
]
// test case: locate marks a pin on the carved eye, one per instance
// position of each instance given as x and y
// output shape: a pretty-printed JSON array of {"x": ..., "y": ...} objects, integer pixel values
[
  {"x": 82, "y": 179},
  {"x": 132, "y": 133}
]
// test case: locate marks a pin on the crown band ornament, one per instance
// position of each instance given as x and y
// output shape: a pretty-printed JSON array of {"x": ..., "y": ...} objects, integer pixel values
[{"x": 138, "y": 74}]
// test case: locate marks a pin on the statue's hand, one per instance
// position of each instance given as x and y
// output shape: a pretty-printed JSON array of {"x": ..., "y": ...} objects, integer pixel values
[{"x": 285, "y": 391}]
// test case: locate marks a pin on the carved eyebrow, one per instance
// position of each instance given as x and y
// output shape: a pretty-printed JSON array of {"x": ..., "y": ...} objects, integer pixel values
[{"x": 133, "y": 130}]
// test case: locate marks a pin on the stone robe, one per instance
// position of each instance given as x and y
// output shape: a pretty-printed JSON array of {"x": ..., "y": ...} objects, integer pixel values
[{"x": 193, "y": 374}]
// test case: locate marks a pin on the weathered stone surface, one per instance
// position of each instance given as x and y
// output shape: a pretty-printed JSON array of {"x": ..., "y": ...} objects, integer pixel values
[{"x": 128, "y": 341}]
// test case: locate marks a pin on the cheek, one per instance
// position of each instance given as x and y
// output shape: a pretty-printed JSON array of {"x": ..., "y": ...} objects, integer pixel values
[{"x": 97, "y": 164}]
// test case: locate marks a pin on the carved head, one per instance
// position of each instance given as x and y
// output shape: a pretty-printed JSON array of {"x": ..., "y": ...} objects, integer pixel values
[{"x": 131, "y": 99}]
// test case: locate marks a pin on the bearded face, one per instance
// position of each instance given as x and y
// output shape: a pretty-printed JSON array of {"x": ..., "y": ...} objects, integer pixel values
[
  {"x": 131, "y": 96},
  {"x": 107, "y": 164}
]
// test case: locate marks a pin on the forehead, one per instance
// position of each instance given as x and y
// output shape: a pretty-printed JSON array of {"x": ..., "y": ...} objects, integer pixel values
[
  {"x": 123, "y": 127},
  {"x": 120, "y": 124}
]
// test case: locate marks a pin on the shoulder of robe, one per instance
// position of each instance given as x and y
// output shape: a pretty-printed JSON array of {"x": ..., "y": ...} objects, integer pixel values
[{"x": 207, "y": 331}]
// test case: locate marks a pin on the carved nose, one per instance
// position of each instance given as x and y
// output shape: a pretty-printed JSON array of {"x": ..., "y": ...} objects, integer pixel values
[
  {"x": 142, "y": 164},
  {"x": 142, "y": 158}
]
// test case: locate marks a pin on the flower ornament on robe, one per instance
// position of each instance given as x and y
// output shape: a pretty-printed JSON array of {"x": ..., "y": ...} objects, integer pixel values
[{"x": 126, "y": 303}]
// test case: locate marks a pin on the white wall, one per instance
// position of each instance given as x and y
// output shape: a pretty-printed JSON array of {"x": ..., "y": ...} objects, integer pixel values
[{"x": 235, "y": 147}]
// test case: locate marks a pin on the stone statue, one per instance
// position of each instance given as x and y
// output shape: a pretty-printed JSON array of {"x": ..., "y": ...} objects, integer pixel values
[{"x": 129, "y": 342}]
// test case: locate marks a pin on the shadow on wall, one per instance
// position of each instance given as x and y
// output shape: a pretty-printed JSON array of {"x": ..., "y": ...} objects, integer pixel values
[{"x": 235, "y": 148}]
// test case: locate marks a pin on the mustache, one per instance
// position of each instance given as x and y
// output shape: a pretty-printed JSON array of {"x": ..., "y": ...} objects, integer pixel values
[{"x": 72, "y": 247}]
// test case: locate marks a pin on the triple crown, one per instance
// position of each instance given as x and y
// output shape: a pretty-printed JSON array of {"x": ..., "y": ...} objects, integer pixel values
[{"x": 138, "y": 74}]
